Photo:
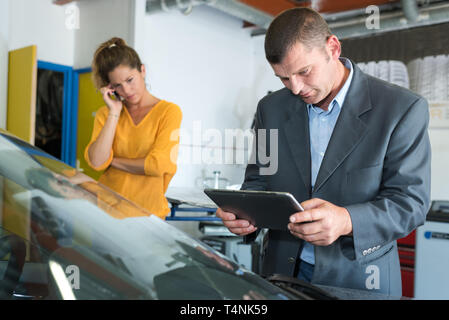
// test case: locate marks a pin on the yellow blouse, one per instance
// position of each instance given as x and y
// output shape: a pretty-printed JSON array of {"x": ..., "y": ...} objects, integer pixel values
[{"x": 155, "y": 138}]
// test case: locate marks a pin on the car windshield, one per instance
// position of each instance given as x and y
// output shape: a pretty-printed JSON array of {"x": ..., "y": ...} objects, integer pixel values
[{"x": 63, "y": 235}]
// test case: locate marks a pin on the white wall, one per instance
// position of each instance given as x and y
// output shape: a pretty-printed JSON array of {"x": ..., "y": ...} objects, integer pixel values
[
  {"x": 205, "y": 63},
  {"x": 38, "y": 22},
  {"x": 4, "y": 37},
  {"x": 58, "y": 40},
  {"x": 101, "y": 20},
  {"x": 67, "y": 34},
  {"x": 264, "y": 79},
  {"x": 41, "y": 23}
]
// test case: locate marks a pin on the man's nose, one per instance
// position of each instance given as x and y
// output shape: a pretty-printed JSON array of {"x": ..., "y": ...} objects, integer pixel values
[{"x": 296, "y": 85}]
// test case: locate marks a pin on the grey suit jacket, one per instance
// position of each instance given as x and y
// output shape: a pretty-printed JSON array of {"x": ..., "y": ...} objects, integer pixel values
[{"x": 377, "y": 166}]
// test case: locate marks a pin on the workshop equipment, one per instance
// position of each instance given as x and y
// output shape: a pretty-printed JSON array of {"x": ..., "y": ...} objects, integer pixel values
[{"x": 432, "y": 254}]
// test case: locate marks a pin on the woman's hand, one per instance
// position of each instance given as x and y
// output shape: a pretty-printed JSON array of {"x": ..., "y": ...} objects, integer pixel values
[{"x": 115, "y": 106}]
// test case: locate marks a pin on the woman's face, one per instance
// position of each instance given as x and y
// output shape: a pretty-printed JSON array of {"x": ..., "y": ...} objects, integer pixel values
[{"x": 128, "y": 83}]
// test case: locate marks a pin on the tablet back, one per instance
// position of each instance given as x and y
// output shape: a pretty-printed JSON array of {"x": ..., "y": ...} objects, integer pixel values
[{"x": 263, "y": 209}]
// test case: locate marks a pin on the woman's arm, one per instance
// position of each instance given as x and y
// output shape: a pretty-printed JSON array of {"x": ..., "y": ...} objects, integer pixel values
[
  {"x": 162, "y": 157},
  {"x": 99, "y": 151},
  {"x": 135, "y": 166}
]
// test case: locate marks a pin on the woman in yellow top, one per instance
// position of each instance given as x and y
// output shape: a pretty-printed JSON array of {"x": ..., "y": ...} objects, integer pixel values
[{"x": 136, "y": 135}]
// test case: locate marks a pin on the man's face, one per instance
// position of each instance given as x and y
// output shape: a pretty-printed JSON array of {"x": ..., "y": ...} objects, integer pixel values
[{"x": 310, "y": 74}]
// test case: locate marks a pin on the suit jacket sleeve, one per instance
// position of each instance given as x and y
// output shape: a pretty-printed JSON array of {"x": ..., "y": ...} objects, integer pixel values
[
  {"x": 253, "y": 179},
  {"x": 404, "y": 197}
]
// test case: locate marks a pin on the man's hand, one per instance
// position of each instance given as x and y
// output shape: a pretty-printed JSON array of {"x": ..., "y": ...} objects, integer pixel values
[
  {"x": 321, "y": 222},
  {"x": 239, "y": 227}
]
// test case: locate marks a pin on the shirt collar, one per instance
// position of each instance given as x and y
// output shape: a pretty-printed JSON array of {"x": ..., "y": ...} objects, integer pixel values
[{"x": 341, "y": 95}]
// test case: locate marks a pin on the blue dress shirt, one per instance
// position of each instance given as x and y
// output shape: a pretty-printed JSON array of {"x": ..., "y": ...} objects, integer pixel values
[{"x": 321, "y": 126}]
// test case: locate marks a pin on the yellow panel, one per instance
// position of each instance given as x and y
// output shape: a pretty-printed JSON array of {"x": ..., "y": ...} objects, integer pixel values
[
  {"x": 89, "y": 101},
  {"x": 16, "y": 216},
  {"x": 56, "y": 166},
  {"x": 22, "y": 78}
]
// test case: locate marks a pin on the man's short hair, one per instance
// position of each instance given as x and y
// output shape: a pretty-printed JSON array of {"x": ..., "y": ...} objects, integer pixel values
[{"x": 302, "y": 25}]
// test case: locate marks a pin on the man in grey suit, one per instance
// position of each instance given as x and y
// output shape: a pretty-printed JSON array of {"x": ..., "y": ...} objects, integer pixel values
[{"x": 354, "y": 150}]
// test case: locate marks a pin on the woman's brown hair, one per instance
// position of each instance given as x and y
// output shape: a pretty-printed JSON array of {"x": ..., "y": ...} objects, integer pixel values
[{"x": 110, "y": 55}]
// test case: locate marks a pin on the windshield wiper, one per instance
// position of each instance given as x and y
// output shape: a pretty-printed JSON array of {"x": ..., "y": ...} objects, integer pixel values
[{"x": 300, "y": 288}]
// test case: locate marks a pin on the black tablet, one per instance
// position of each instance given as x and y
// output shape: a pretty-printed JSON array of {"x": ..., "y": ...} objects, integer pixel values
[{"x": 264, "y": 209}]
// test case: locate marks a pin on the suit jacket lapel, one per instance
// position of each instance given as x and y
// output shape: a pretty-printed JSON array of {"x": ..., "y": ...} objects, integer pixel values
[
  {"x": 349, "y": 128},
  {"x": 297, "y": 132}
]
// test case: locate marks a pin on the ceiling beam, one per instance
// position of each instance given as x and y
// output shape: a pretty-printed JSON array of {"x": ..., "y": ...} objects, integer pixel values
[
  {"x": 355, "y": 28},
  {"x": 62, "y": 2},
  {"x": 274, "y": 7}
]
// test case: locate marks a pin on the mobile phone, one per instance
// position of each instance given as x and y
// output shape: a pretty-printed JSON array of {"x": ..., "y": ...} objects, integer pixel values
[{"x": 117, "y": 96}]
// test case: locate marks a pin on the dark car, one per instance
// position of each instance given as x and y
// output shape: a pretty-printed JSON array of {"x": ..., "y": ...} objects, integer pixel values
[{"x": 65, "y": 236}]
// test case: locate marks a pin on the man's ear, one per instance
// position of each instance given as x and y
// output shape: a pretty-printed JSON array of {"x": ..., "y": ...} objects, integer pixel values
[{"x": 333, "y": 46}]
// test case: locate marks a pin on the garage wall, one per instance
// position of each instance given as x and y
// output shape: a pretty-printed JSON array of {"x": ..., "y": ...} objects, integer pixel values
[
  {"x": 65, "y": 35},
  {"x": 204, "y": 62},
  {"x": 4, "y": 36},
  {"x": 101, "y": 20},
  {"x": 264, "y": 79},
  {"x": 44, "y": 24},
  {"x": 24, "y": 23}
]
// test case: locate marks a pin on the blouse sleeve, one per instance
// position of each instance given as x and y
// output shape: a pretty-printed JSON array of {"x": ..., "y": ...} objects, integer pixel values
[{"x": 164, "y": 153}]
